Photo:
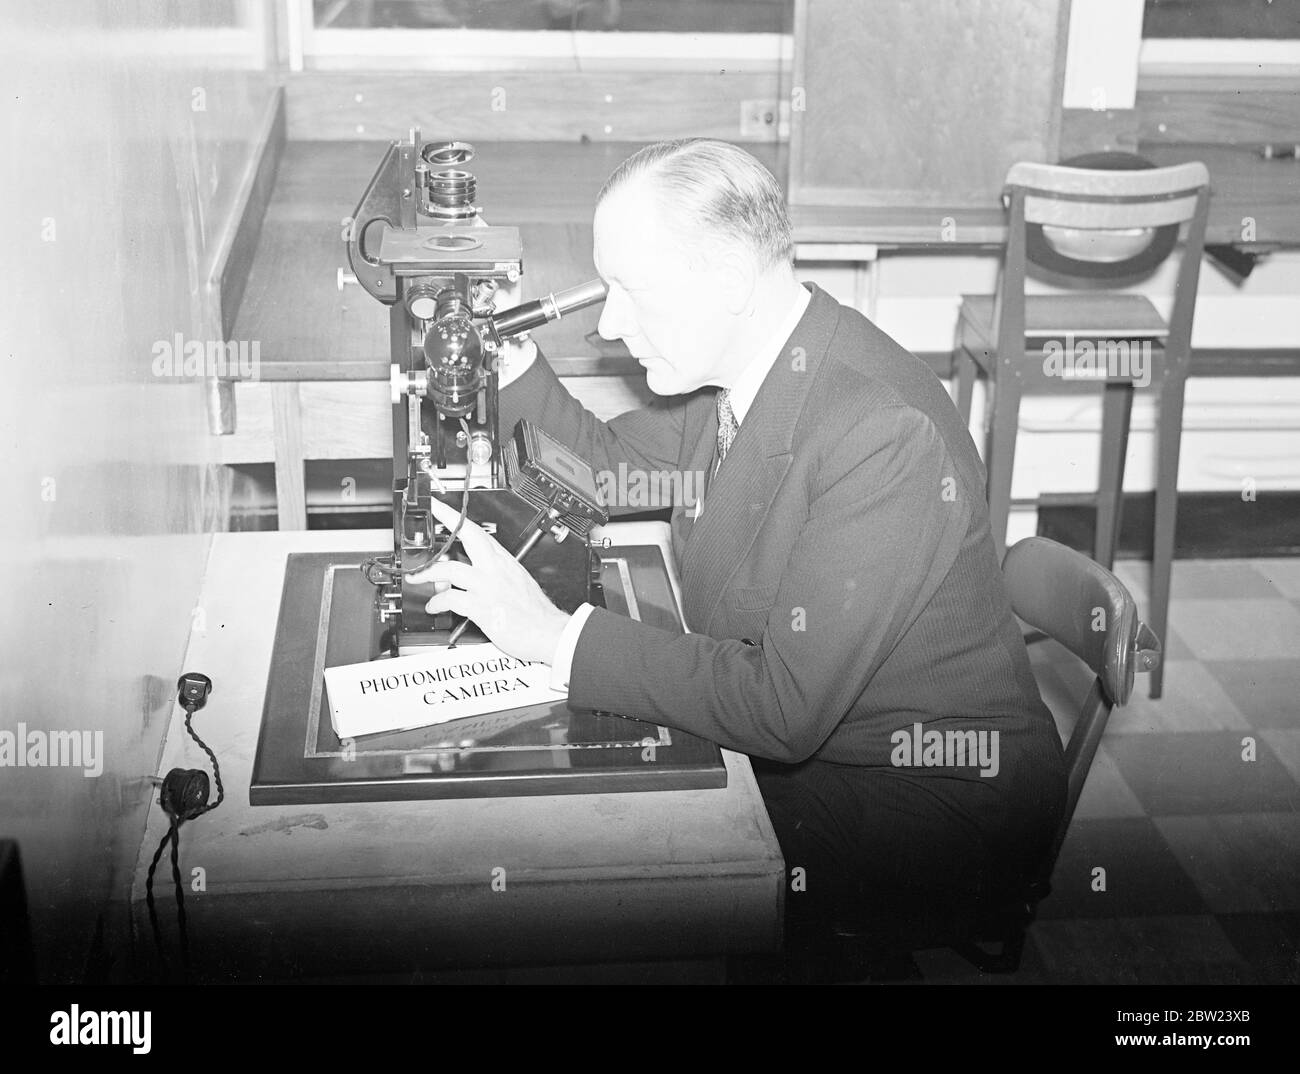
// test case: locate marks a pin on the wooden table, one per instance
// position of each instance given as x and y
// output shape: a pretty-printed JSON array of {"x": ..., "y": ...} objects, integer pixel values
[
  {"x": 1242, "y": 185},
  {"x": 322, "y": 392},
  {"x": 308, "y": 330},
  {"x": 638, "y": 886}
]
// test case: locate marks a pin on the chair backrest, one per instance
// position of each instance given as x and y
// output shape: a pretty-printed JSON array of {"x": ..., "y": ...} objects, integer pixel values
[
  {"x": 1107, "y": 203},
  {"x": 1080, "y": 604},
  {"x": 1095, "y": 198}
]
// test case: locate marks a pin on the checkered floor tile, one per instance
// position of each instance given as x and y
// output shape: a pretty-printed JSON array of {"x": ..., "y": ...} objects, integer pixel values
[{"x": 1182, "y": 864}]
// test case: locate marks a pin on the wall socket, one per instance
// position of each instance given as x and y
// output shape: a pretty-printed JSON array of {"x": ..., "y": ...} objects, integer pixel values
[{"x": 765, "y": 119}]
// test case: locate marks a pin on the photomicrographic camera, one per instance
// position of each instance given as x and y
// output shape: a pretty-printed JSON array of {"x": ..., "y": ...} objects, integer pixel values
[{"x": 418, "y": 244}]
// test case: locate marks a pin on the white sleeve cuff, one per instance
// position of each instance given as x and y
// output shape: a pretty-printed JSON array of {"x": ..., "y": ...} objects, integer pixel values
[
  {"x": 514, "y": 359},
  {"x": 562, "y": 662}
]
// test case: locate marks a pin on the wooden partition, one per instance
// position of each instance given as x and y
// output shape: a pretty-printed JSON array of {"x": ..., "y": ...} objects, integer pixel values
[
  {"x": 560, "y": 106},
  {"x": 904, "y": 104}
]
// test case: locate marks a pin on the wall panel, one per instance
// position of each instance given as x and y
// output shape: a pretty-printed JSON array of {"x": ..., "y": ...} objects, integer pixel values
[{"x": 128, "y": 127}]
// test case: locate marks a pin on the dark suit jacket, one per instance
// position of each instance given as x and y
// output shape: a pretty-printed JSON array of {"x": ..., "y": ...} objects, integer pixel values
[{"x": 846, "y": 535}]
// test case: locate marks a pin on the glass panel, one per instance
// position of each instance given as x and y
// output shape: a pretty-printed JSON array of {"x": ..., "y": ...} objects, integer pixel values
[
  {"x": 1250, "y": 19},
  {"x": 683, "y": 16}
]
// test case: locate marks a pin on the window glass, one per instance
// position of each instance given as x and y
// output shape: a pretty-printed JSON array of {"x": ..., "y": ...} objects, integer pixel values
[
  {"x": 1250, "y": 19},
  {"x": 638, "y": 16}
]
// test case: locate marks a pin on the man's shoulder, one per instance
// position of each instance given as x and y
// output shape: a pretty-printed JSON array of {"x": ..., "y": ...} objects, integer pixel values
[
  {"x": 866, "y": 367},
  {"x": 866, "y": 379},
  {"x": 860, "y": 346}
]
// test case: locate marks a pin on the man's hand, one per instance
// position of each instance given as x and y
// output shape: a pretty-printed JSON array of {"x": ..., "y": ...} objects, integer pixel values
[{"x": 495, "y": 591}]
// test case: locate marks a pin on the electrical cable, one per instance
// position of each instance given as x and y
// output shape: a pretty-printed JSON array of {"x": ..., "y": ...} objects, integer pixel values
[
  {"x": 184, "y": 797},
  {"x": 149, "y": 899},
  {"x": 216, "y": 768},
  {"x": 377, "y": 568},
  {"x": 180, "y": 897}
]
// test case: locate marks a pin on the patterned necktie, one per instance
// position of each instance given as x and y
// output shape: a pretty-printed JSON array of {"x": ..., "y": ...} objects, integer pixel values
[{"x": 727, "y": 424}]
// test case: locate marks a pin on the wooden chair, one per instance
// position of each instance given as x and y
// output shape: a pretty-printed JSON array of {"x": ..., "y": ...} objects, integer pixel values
[
  {"x": 1060, "y": 592},
  {"x": 1080, "y": 226}
]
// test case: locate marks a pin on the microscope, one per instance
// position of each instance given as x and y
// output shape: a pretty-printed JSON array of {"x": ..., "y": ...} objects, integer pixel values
[{"x": 418, "y": 243}]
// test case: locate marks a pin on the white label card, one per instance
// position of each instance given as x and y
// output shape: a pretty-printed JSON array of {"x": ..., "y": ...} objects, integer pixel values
[{"x": 432, "y": 686}]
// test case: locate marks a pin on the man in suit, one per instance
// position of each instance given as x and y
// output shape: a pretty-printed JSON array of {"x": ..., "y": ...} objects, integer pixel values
[{"x": 850, "y": 631}]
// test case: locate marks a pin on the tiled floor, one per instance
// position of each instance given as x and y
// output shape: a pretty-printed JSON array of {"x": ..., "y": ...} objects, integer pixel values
[{"x": 1192, "y": 807}]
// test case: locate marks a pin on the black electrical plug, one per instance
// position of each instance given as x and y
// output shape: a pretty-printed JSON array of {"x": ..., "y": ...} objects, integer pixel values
[
  {"x": 184, "y": 798},
  {"x": 193, "y": 690},
  {"x": 185, "y": 790},
  {"x": 185, "y": 793}
]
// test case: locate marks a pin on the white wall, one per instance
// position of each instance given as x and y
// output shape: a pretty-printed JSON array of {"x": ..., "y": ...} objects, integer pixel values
[{"x": 115, "y": 186}]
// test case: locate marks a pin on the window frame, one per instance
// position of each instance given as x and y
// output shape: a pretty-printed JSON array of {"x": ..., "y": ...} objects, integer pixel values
[
  {"x": 313, "y": 48},
  {"x": 1215, "y": 57}
]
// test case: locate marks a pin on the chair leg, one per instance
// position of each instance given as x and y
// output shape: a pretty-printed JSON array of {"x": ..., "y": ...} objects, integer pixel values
[
  {"x": 1002, "y": 421},
  {"x": 1116, "y": 410},
  {"x": 1168, "y": 445}
]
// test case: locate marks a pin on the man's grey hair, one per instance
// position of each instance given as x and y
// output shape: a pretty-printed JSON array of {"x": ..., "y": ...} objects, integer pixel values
[{"x": 712, "y": 187}]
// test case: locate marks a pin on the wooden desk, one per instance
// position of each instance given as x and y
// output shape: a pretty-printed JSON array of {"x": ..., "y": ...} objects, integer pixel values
[
  {"x": 1242, "y": 185},
  {"x": 307, "y": 330},
  {"x": 671, "y": 880},
  {"x": 322, "y": 389}
]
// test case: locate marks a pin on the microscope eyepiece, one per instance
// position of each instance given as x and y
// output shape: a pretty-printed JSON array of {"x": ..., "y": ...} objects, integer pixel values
[{"x": 549, "y": 308}]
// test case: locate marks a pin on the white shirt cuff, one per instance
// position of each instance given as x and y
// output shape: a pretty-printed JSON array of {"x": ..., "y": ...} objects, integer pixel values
[
  {"x": 514, "y": 359},
  {"x": 562, "y": 662}
]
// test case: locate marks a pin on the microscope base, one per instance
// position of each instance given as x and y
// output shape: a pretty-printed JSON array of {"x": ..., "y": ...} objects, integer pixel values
[{"x": 327, "y": 618}]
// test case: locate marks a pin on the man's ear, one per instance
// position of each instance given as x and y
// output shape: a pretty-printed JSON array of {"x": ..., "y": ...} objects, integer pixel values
[{"x": 735, "y": 277}]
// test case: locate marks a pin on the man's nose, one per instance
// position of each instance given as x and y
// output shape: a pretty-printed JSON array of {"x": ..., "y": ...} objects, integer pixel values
[{"x": 616, "y": 321}]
